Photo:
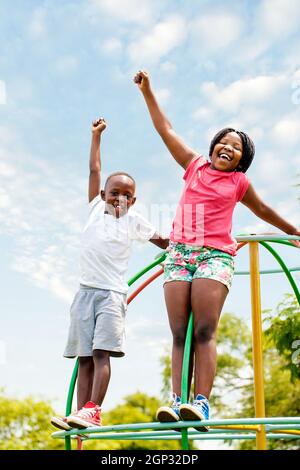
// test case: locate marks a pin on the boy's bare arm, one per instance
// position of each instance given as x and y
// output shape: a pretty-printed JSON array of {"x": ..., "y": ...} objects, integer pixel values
[
  {"x": 180, "y": 151},
  {"x": 159, "y": 241},
  {"x": 95, "y": 161},
  {"x": 266, "y": 213}
]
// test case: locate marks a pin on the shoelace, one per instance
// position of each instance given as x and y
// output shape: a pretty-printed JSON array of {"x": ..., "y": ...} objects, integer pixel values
[
  {"x": 176, "y": 400},
  {"x": 202, "y": 404},
  {"x": 87, "y": 413}
]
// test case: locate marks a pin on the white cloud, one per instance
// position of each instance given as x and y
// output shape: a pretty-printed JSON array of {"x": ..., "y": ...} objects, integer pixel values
[
  {"x": 287, "y": 130},
  {"x": 162, "y": 39},
  {"x": 248, "y": 91},
  {"x": 112, "y": 46},
  {"x": 290, "y": 211},
  {"x": 6, "y": 169},
  {"x": 163, "y": 95},
  {"x": 168, "y": 67},
  {"x": 66, "y": 64},
  {"x": 216, "y": 31},
  {"x": 2, "y": 92},
  {"x": 37, "y": 25},
  {"x": 136, "y": 11},
  {"x": 278, "y": 17},
  {"x": 43, "y": 216},
  {"x": 273, "y": 168}
]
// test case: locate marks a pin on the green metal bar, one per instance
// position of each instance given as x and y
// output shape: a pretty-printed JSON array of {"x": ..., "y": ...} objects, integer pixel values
[
  {"x": 159, "y": 434},
  {"x": 272, "y": 427},
  {"x": 146, "y": 269},
  {"x": 199, "y": 437},
  {"x": 185, "y": 370},
  {"x": 269, "y": 238},
  {"x": 283, "y": 242},
  {"x": 180, "y": 424},
  {"x": 185, "y": 376},
  {"x": 268, "y": 271},
  {"x": 284, "y": 267},
  {"x": 68, "y": 445}
]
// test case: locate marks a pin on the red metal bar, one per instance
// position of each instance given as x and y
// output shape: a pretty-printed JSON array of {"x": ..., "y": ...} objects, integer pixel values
[{"x": 145, "y": 284}]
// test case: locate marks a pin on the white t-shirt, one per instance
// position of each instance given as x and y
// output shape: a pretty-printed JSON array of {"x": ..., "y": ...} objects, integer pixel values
[{"x": 106, "y": 244}]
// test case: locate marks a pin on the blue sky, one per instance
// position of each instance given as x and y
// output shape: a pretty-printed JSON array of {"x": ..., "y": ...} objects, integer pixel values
[{"x": 64, "y": 63}]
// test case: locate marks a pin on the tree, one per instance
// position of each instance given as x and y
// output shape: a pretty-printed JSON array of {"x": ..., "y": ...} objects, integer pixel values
[
  {"x": 233, "y": 392},
  {"x": 281, "y": 372},
  {"x": 25, "y": 424},
  {"x": 283, "y": 331}
]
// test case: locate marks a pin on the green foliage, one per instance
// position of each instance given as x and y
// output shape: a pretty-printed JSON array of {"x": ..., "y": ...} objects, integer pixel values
[
  {"x": 25, "y": 424},
  {"x": 233, "y": 392},
  {"x": 234, "y": 344},
  {"x": 165, "y": 362},
  {"x": 284, "y": 332}
]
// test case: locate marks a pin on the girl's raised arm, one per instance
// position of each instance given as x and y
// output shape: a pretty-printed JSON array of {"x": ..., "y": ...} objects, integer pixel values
[{"x": 180, "y": 151}]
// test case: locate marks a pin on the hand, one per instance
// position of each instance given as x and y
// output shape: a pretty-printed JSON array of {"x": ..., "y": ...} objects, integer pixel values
[
  {"x": 296, "y": 242},
  {"x": 142, "y": 80},
  {"x": 98, "y": 126}
]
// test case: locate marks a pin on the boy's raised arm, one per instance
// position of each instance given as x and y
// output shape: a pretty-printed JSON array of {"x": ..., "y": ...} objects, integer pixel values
[
  {"x": 95, "y": 161},
  {"x": 180, "y": 151}
]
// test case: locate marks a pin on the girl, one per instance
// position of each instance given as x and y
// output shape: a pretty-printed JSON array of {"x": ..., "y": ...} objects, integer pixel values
[{"x": 199, "y": 267}]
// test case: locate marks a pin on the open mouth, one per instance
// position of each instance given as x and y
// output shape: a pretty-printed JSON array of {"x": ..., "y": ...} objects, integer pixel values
[{"x": 224, "y": 156}]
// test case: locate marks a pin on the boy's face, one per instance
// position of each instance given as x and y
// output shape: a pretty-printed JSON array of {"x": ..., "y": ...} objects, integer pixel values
[
  {"x": 119, "y": 195},
  {"x": 227, "y": 152}
]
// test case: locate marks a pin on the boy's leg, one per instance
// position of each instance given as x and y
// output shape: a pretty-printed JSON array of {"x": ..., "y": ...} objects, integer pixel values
[
  {"x": 96, "y": 372},
  {"x": 177, "y": 297},
  {"x": 84, "y": 380},
  {"x": 101, "y": 379},
  {"x": 208, "y": 297}
]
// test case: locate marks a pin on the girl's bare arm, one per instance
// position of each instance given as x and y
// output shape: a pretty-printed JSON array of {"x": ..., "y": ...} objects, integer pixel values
[
  {"x": 180, "y": 151},
  {"x": 266, "y": 213}
]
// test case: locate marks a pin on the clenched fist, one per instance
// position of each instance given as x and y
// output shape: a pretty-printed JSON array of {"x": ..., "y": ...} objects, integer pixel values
[
  {"x": 142, "y": 79},
  {"x": 98, "y": 126}
]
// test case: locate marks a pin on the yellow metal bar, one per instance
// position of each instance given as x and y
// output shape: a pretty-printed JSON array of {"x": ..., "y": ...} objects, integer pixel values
[
  {"x": 259, "y": 395},
  {"x": 287, "y": 431},
  {"x": 241, "y": 427}
]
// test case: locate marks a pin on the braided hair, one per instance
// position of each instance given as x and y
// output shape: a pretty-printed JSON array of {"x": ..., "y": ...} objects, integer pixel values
[{"x": 248, "y": 147}]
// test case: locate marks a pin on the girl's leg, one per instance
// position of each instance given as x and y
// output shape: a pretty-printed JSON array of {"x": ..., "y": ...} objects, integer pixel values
[
  {"x": 177, "y": 297},
  {"x": 208, "y": 297},
  {"x": 101, "y": 375},
  {"x": 84, "y": 380}
]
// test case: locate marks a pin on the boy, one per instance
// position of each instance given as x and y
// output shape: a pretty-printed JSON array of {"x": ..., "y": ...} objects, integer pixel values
[{"x": 99, "y": 307}]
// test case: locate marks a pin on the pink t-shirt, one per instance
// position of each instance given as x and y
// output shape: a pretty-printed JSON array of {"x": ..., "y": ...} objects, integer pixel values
[{"x": 204, "y": 213}]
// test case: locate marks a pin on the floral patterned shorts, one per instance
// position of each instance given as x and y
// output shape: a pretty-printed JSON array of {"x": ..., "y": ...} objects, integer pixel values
[{"x": 186, "y": 262}]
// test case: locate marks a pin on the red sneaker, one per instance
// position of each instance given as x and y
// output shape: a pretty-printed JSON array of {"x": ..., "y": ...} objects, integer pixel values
[{"x": 89, "y": 415}]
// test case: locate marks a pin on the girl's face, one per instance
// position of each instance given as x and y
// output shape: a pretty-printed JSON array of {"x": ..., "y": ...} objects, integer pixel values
[{"x": 227, "y": 153}]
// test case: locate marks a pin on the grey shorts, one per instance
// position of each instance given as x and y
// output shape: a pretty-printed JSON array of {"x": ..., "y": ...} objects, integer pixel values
[{"x": 97, "y": 322}]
